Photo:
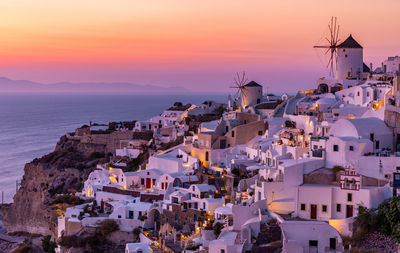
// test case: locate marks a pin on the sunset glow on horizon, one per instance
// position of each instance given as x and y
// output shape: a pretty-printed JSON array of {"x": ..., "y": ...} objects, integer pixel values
[{"x": 194, "y": 44}]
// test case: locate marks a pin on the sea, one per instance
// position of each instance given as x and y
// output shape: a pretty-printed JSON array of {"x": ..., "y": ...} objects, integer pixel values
[{"x": 31, "y": 124}]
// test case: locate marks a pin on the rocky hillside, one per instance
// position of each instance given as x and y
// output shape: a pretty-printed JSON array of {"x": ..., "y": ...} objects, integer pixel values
[{"x": 37, "y": 203}]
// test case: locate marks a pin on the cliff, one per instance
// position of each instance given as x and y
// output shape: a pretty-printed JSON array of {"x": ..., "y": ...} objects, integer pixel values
[{"x": 37, "y": 202}]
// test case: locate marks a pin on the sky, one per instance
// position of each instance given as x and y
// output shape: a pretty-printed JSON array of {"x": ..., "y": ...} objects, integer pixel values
[{"x": 199, "y": 45}]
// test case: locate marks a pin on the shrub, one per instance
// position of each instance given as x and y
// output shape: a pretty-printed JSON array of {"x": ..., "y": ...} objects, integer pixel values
[
  {"x": 68, "y": 199},
  {"x": 136, "y": 232},
  {"x": 187, "y": 133},
  {"x": 108, "y": 226},
  {"x": 218, "y": 228},
  {"x": 96, "y": 155},
  {"x": 337, "y": 168},
  {"x": 48, "y": 245}
]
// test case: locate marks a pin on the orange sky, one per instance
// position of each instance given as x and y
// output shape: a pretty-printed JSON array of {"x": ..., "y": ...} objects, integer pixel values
[{"x": 197, "y": 44}]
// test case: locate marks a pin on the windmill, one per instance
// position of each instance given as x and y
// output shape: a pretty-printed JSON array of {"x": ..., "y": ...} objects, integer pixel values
[
  {"x": 239, "y": 81},
  {"x": 333, "y": 41}
]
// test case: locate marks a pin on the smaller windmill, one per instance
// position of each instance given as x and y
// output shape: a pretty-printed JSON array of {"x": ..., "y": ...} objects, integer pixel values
[
  {"x": 333, "y": 42},
  {"x": 239, "y": 81}
]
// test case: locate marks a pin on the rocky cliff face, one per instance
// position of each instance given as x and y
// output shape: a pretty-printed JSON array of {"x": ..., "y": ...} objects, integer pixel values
[{"x": 61, "y": 172}]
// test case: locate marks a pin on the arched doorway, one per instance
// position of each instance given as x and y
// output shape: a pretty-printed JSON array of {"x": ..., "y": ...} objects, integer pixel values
[{"x": 323, "y": 88}]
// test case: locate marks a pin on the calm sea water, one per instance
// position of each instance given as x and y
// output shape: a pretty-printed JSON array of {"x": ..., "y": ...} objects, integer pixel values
[{"x": 31, "y": 125}]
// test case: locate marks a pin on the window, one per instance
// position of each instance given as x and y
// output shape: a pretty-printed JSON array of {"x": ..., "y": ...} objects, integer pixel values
[
  {"x": 154, "y": 181},
  {"x": 351, "y": 148},
  {"x": 148, "y": 173},
  {"x": 367, "y": 93},
  {"x": 349, "y": 197},
  {"x": 207, "y": 156},
  {"x": 259, "y": 195},
  {"x": 358, "y": 93},
  {"x": 222, "y": 251},
  {"x": 176, "y": 216},
  {"x": 324, "y": 208},
  {"x": 119, "y": 217},
  {"x": 142, "y": 181},
  {"x": 336, "y": 148},
  {"x": 259, "y": 132},
  {"x": 313, "y": 243},
  {"x": 371, "y": 136},
  {"x": 193, "y": 188},
  {"x": 377, "y": 145},
  {"x": 338, "y": 208},
  {"x": 204, "y": 205},
  {"x": 303, "y": 207},
  {"x": 233, "y": 134}
]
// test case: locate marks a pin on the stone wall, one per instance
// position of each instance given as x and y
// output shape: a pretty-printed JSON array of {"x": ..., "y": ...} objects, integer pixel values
[{"x": 184, "y": 217}]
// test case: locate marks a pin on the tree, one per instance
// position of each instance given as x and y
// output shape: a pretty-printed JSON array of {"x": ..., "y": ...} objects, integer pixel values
[
  {"x": 389, "y": 215},
  {"x": 218, "y": 228},
  {"x": 136, "y": 232},
  {"x": 48, "y": 245}
]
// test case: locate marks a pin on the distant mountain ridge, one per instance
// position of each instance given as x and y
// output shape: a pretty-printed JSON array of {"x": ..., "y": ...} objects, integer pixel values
[{"x": 25, "y": 86}]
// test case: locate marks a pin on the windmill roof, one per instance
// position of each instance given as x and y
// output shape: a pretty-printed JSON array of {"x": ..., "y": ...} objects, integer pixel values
[
  {"x": 350, "y": 42},
  {"x": 366, "y": 68},
  {"x": 252, "y": 84}
]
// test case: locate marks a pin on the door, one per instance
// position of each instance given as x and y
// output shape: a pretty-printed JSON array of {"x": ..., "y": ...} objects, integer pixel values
[
  {"x": 332, "y": 243},
  {"x": 313, "y": 212},
  {"x": 349, "y": 211},
  {"x": 313, "y": 246},
  {"x": 148, "y": 182}
]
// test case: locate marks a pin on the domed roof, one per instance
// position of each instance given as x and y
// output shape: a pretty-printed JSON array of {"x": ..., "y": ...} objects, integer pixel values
[{"x": 350, "y": 42}]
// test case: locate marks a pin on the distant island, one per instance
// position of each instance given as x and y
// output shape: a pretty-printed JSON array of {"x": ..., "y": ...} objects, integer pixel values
[{"x": 25, "y": 86}]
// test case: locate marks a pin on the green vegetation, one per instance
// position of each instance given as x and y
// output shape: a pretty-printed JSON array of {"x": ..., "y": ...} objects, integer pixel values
[
  {"x": 193, "y": 247},
  {"x": 134, "y": 164},
  {"x": 136, "y": 233},
  {"x": 188, "y": 133},
  {"x": 337, "y": 168},
  {"x": 48, "y": 245},
  {"x": 108, "y": 226},
  {"x": 218, "y": 228},
  {"x": 385, "y": 220},
  {"x": 96, "y": 155},
  {"x": 290, "y": 124},
  {"x": 68, "y": 199}
]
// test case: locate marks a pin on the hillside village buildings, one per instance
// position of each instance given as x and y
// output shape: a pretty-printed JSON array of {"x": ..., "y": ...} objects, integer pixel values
[{"x": 293, "y": 169}]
